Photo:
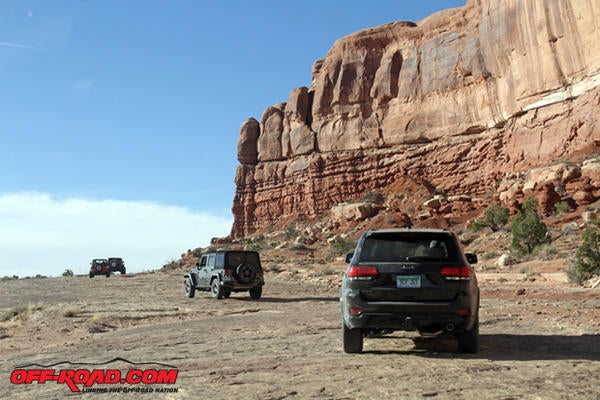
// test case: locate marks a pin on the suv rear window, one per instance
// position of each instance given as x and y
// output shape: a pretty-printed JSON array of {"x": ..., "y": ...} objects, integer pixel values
[
  {"x": 235, "y": 258},
  {"x": 398, "y": 247}
]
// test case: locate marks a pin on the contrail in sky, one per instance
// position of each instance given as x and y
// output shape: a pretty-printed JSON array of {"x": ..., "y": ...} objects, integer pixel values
[{"x": 20, "y": 46}]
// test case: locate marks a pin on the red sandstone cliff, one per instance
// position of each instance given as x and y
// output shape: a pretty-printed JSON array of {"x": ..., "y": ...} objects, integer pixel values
[{"x": 498, "y": 98}]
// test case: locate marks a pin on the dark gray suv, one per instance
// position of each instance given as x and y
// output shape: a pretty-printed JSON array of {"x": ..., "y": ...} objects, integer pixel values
[
  {"x": 410, "y": 280},
  {"x": 223, "y": 272}
]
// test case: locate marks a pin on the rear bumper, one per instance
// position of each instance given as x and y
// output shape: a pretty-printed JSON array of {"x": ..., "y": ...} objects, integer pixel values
[
  {"x": 407, "y": 321},
  {"x": 235, "y": 287},
  {"x": 409, "y": 316},
  {"x": 95, "y": 272}
]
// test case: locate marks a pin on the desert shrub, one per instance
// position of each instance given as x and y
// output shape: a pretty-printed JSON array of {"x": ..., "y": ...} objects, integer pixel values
[
  {"x": 327, "y": 271},
  {"x": 528, "y": 230},
  {"x": 496, "y": 216},
  {"x": 256, "y": 243},
  {"x": 274, "y": 268},
  {"x": 530, "y": 274},
  {"x": 21, "y": 311},
  {"x": 68, "y": 272},
  {"x": 545, "y": 251},
  {"x": 172, "y": 264},
  {"x": 491, "y": 254},
  {"x": 197, "y": 252},
  {"x": 341, "y": 246},
  {"x": 372, "y": 197},
  {"x": 586, "y": 263},
  {"x": 562, "y": 207},
  {"x": 291, "y": 231},
  {"x": 98, "y": 324},
  {"x": 70, "y": 311},
  {"x": 477, "y": 225}
]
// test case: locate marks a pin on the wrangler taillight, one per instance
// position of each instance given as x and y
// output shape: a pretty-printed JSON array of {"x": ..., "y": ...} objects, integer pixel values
[
  {"x": 361, "y": 273},
  {"x": 456, "y": 273}
]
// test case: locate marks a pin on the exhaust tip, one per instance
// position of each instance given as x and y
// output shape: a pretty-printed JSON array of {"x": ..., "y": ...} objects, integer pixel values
[{"x": 449, "y": 327}]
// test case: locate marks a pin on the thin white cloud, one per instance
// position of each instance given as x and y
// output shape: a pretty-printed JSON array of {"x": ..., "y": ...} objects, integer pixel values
[
  {"x": 42, "y": 235},
  {"x": 20, "y": 46},
  {"x": 83, "y": 84}
]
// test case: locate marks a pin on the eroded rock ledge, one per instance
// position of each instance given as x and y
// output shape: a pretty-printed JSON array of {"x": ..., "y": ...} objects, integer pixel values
[{"x": 466, "y": 101}]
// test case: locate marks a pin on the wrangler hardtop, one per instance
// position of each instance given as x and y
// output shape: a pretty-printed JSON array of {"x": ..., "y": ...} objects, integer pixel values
[
  {"x": 116, "y": 264},
  {"x": 225, "y": 271},
  {"x": 99, "y": 266}
]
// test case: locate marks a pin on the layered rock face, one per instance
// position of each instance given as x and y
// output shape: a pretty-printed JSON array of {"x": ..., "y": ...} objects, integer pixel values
[{"x": 466, "y": 101}]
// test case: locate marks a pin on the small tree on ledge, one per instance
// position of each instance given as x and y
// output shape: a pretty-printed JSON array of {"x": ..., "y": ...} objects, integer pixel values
[{"x": 528, "y": 230}]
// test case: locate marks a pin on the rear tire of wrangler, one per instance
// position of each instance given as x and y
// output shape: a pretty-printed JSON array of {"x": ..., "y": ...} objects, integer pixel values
[
  {"x": 353, "y": 339},
  {"x": 189, "y": 288},
  {"x": 468, "y": 341},
  {"x": 216, "y": 289},
  {"x": 256, "y": 292}
]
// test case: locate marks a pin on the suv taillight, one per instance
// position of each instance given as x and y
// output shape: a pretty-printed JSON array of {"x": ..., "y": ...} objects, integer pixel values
[
  {"x": 360, "y": 273},
  {"x": 456, "y": 273}
]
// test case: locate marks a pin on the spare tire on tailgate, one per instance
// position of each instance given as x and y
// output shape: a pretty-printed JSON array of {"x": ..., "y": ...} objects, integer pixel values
[{"x": 246, "y": 273}]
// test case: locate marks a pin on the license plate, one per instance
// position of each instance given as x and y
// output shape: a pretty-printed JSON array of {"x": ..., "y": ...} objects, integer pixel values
[{"x": 408, "y": 281}]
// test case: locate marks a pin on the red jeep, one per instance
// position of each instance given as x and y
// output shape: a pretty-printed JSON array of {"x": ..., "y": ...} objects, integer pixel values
[{"x": 99, "y": 267}]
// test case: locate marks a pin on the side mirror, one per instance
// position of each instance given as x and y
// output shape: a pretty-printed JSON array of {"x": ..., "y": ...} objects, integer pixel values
[
  {"x": 197, "y": 265},
  {"x": 471, "y": 258},
  {"x": 349, "y": 257}
]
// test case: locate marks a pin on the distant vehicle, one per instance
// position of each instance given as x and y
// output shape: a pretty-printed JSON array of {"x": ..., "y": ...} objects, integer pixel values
[
  {"x": 99, "y": 266},
  {"x": 410, "y": 280},
  {"x": 116, "y": 264},
  {"x": 223, "y": 272}
]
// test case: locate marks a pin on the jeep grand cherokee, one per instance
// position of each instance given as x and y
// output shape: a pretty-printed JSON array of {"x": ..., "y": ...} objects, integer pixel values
[{"x": 410, "y": 280}]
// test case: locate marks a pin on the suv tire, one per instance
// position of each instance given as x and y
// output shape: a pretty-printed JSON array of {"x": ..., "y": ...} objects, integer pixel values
[
  {"x": 256, "y": 292},
  {"x": 468, "y": 341},
  {"x": 216, "y": 289},
  {"x": 353, "y": 339},
  {"x": 189, "y": 288},
  {"x": 245, "y": 273}
]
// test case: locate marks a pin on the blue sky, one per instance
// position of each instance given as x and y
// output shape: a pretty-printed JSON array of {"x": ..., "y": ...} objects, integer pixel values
[{"x": 127, "y": 113}]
